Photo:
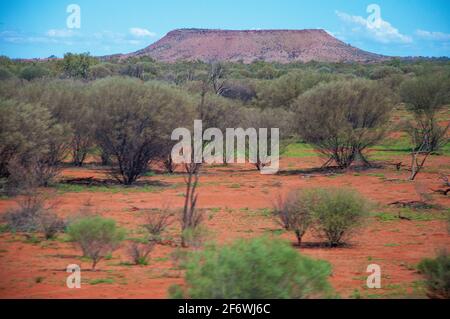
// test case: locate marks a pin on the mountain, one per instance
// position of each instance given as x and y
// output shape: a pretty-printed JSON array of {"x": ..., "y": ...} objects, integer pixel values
[{"x": 282, "y": 46}]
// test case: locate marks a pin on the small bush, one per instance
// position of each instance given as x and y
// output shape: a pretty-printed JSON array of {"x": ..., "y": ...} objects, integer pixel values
[
  {"x": 33, "y": 72},
  {"x": 51, "y": 224},
  {"x": 254, "y": 269},
  {"x": 294, "y": 212},
  {"x": 337, "y": 213},
  {"x": 139, "y": 252},
  {"x": 437, "y": 273},
  {"x": 33, "y": 216},
  {"x": 156, "y": 223},
  {"x": 97, "y": 236}
]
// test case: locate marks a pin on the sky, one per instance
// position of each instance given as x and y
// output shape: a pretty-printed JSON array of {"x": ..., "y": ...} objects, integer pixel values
[{"x": 39, "y": 29}]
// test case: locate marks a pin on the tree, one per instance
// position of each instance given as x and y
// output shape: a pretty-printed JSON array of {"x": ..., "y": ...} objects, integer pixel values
[
  {"x": 77, "y": 65},
  {"x": 342, "y": 119},
  {"x": 32, "y": 144},
  {"x": 133, "y": 122},
  {"x": 425, "y": 97},
  {"x": 281, "y": 92}
]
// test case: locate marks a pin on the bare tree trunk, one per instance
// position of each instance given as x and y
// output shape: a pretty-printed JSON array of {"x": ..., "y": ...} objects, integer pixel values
[{"x": 190, "y": 219}]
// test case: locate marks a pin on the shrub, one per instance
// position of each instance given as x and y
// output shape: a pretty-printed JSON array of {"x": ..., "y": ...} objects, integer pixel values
[
  {"x": 156, "y": 223},
  {"x": 337, "y": 213},
  {"x": 425, "y": 96},
  {"x": 33, "y": 216},
  {"x": 32, "y": 143},
  {"x": 254, "y": 269},
  {"x": 51, "y": 224},
  {"x": 33, "y": 72},
  {"x": 77, "y": 65},
  {"x": 294, "y": 212},
  {"x": 96, "y": 236},
  {"x": 283, "y": 91},
  {"x": 99, "y": 71},
  {"x": 139, "y": 252},
  {"x": 342, "y": 119},
  {"x": 5, "y": 74},
  {"x": 437, "y": 274}
]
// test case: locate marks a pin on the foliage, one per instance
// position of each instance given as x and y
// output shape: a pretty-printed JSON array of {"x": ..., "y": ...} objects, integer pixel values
[
  {"x": 96, "y": 236},
  {"x": 31, "y": 144},
  {"x": 255, "y": 269},
  {"x": 342, "y": 119},
  {"x": 77, "y": 65},
  {"x": 33, "y": 72},
  {"x": 437, "y": 274},
  {"x": 337, "y": 213},
  {"x": 133, "y": 122}
]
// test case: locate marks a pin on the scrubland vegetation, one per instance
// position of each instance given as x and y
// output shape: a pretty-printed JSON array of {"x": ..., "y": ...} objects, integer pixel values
[{"x": 348, "y": 122}]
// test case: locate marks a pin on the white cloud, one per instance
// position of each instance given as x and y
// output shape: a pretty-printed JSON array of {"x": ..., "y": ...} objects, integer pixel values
[
  {"x": 382, "y": 31},
  {"x": 71, "y": 37},
  {"x": 141, "y": 33},
  {"x": 62, "y": 33},
  {"x": 431, "y": 35}
]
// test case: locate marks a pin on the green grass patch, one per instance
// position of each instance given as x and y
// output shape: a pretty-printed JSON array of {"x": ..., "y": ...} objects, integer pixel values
[
  {"x": 101, "y": 281},
  {"x": 411, "y": 214},
  {"x": 298, "y": 150},
  {"x": 68, "y": 188},
  {"x": 391, "y": 245}
]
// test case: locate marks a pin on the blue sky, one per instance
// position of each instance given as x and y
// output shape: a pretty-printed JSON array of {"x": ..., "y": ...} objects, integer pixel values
[{"x": 39, "y": 28}]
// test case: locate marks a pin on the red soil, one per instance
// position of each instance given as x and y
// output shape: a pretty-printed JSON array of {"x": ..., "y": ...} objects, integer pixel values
[{"x": 234, "y": 196}]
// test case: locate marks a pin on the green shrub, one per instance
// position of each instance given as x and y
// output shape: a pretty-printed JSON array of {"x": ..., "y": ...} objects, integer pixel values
[
  {"x": 5, "y": 74},
  {"x": 254, "y": 269},
  {"x": 437, "y": 273},
  {"x": 97, "y": 236},
  {"x": 342, "y": 119},
  {"x": 337, "y": 213},
  {"x": 33, "y": 72}
]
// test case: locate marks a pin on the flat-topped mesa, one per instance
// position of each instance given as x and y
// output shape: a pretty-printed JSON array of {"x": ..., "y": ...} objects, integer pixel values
[{"x": 282, "y": 46}]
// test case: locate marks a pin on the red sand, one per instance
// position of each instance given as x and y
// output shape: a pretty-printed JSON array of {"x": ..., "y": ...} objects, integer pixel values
[{"x": 233, "y": 195}]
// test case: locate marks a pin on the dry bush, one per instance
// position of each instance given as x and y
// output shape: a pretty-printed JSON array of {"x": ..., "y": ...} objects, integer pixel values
[
  {"x": 139, "y": 252},
  {"x": 157, "y": 222},
  {"x": 425, "y": 97},
  {"x": 294, "y": 212},
  {"x": 33, "y": 215},
  {"x": 191, "y": 217}
]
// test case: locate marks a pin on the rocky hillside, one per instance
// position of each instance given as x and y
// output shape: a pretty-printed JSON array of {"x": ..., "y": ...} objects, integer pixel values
[{"x": 282, "y": 46}]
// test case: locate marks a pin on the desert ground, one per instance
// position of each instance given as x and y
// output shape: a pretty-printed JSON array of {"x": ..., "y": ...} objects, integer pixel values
[{"x": 237, "y": 200}]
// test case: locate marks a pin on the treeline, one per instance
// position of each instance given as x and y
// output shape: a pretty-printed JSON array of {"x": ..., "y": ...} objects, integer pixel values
[{"x": 125, "y": 110}]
